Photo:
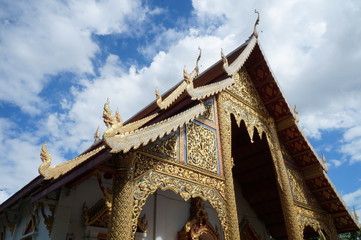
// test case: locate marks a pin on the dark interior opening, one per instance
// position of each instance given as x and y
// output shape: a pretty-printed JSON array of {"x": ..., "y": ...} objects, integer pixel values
[{"x": 254, "y": 171}]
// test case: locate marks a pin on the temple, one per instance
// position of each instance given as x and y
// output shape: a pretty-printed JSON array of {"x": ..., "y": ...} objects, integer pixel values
[{"x": 220, "y": 156}]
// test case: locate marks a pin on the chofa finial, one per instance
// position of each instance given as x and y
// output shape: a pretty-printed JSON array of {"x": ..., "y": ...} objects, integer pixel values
[
  {"x": 97, "y": 135},
  {"x": 324, "y": 163},
  {"x": 255, "y": 33}
]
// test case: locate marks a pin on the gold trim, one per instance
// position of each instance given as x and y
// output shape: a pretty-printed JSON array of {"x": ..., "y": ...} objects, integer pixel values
[
  {"x": 241, "y": 59},
  {"x": 151, "y": 181},
  {"x": 203, "y": 92},
  {"x": 53, "y": 172},
  {"x": 134, "y": 139}
]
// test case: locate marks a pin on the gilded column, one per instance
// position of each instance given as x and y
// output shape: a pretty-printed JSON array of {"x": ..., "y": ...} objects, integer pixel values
[
  {"x": 232, "y": 231},
  {"x": 120, "y": 224},
  {"x": 289, "y": 210}
]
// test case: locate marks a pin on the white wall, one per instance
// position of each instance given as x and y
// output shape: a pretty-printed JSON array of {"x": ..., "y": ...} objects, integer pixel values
[{"x": 244, "y": 210}]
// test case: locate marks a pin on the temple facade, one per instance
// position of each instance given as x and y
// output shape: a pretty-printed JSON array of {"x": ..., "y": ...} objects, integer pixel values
[{"x": 220, "y": 156}]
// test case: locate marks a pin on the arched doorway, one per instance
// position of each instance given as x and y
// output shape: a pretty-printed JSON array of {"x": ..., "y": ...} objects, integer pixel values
[
  {"x": 311, "y": 234},
  {"x": 169, "y": 216},
  {"x": 255, "y": 182}
]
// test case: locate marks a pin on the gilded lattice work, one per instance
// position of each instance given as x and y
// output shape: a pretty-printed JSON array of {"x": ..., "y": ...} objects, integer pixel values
[
  {"x": 297, "y": 186},
  {"x": 252, "y": 118},
  {"x": 151, "y": 181},
  {"x": 167, "y": 147},
  {"x": 202, "y": 147},
  {"x": 209, "y": 113},
  {"x": 245, "y": 91},
  {"x": 145, "y": 163},
  {"x": 299, "y": 189},
  {"x": 317, "y": 220}
]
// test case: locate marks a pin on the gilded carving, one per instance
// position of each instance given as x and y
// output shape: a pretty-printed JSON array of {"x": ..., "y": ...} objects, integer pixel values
[
  {"x": 205, "y": 91},
  {"x": 232, "y": 233},
  {"x": 317, "y": 220},
  {"x": 201, "y": 147},
  {"x": 145, "y": 163},
  {"x": 97, "y": 215},
  {"x": 251, "y": 118},
  {"x": 236, "y": 65},
  {"x": 134, "y": 139},
  {"x": 148, "y": 183},
  {"x": 167, "y": 147},
  {"x": 198, "y": 224},
  {"x": 173, "y": 96},
  {"x": 245, "y": 91},
  {"x": 53, "y": 172},
  {"x": 209, "y": 113},
  {"x": 299, "y": 189},
  {"x": 168, "y": 101},
  {"x": 123, "y": 187}
]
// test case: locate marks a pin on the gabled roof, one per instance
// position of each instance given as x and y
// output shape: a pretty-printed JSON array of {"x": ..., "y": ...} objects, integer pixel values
[{"x": 182, "y": 106}]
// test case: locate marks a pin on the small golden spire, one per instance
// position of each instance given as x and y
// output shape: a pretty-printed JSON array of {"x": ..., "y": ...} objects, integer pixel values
[
  {"x": 157, "y": 95},
  {"x": 224, "y": 59},
  {"x": 355, "y": 213},
  {"x": 324, "y": 163},
  {"x": 118, "y": 117},
  {"x": 44, "y": 154},
  {"x": 295, "y": 113},
  {"x": 108, "y": 117},
  {"x": 97, "y": 135},
  {"x": 186, "y": 76},
  {"x": 199, "y": 58},
  {"x": 255, "y": 33}
]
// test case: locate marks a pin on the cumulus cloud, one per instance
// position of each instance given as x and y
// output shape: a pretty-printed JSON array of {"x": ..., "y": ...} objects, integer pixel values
[
  {"x": 40, "y": 40},
  {"x": 353, "y": 200}
]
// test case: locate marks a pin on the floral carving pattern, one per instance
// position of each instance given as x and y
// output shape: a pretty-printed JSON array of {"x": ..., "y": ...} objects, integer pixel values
[{"x": 202, "y": 147}]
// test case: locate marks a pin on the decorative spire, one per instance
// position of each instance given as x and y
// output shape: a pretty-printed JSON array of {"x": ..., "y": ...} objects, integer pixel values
[
  {"x": 97, "y": 135},
  {"x": 355, "y": 213},
  {"x": 224, "y": 59},
  {"x": 324, "y": 163},
  {"x": 295, "y": 113},
  {"x": 255, "y": 33},
  {"x": 44, "y": 154},
  {"x": 186, "y": 76},
  {"x": 118, "y": 117},
  {"x": 158, "y": 96},
  {"x": 108, "y": 117},
  {"x": 199, "y": 57}
]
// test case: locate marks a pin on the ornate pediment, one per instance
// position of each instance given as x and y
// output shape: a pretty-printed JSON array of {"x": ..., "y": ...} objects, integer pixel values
[{"x": 245, "y": 91}]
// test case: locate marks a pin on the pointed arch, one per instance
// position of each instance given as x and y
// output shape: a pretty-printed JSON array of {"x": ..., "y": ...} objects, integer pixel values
[{"x": 149, "y": 182}]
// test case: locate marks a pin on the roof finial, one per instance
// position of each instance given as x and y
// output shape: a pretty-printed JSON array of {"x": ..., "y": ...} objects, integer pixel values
[
  {"x": 324, "y": 163},
  {"x": 108, "y": 117},
  {"x": 97, "y": 135},
  {"x": 255, "y": 33},
  {"x": 355, "y": 213},
  {"x": 199, "y": 57},
  {"x": 118, "y": 118}
]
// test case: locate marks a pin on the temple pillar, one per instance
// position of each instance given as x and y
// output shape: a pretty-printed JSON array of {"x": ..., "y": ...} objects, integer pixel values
[
  {"x": 120, "y": 224},
  {"x": 284, "y": 189},
  {"x": 232, "y": 230}
]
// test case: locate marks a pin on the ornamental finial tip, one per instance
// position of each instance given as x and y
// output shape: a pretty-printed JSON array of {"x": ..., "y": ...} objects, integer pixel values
[
  {"x": 97, "y": 135},
  {"x": 108, "y": 117},
  {"x": 255, "y": 33}
]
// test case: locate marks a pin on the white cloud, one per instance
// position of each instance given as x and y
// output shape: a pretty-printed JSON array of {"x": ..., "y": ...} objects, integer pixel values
[
  {"x": 353, "y": 200},
  {"x": 43, "y": 39}
]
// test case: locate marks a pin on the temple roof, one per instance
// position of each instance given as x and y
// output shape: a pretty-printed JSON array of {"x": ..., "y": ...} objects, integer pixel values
[{"x": 182, "y": 104}]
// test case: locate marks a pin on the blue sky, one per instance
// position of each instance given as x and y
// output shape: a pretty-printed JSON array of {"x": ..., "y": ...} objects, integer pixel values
[{"x": 61, "y": 60}]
